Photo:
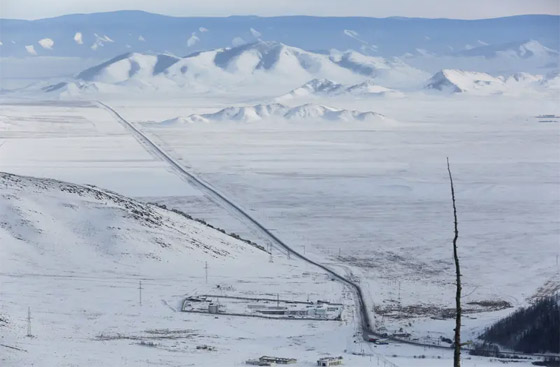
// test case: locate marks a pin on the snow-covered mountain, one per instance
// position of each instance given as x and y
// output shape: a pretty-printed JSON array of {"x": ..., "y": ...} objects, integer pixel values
[
  {"x": 276, "y": 67},
  {"x": 472, "y": 82},
  {"x": 45, "y": 222},
  {"x": 104, "y": 35},
  {"x": 274, "y": 111},
  {"x": 329, "y": 88},
  {"x": 459, "y": 81},
  {"x": 551, "y": 81},
  {"x": 509, "y": 58},
  {"x": 521, "y": 50},
  {"x": 392, "y": 72},
  {"x": 261, "y": 63}
]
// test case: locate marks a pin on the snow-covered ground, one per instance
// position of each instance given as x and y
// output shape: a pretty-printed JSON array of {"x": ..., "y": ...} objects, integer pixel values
[
  {"x": 374, "y": 199},
  {"x": 340, "y": 154},
  {"x": 75, "y": 257},
  {"x": 371, "y": 200},
  {"x": 78, "y": 142}
]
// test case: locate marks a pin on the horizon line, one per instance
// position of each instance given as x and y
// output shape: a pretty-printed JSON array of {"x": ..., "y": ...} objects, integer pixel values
[{"x": 276, "y": 16}]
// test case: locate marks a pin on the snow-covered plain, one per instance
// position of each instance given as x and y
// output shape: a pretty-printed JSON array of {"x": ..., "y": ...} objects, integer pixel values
[
  {"x": 370, "y": 200},
  {"x": 78, "y": 142},
  {"x": 374, "y": 199}
]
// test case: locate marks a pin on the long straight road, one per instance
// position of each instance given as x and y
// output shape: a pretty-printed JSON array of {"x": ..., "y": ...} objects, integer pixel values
[{"x": 242, "y": 214}]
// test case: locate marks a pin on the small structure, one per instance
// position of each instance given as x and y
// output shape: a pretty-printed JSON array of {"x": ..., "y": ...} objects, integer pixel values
[
  {"x": 271, "y": 361},
  {"x": 213, "y": 308},
  {"x": 329, "y": 361}
]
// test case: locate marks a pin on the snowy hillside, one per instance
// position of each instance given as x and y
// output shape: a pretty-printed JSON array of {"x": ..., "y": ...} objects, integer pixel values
[
  {"x": 329, "y": 88},
  {"x": 393, "y": 72},
  {"x": 460, "y": 81},
  {"x": 275, "y": 112},
  {"x": 76, "y": 254},
  {"x": 44, "y": 222}
]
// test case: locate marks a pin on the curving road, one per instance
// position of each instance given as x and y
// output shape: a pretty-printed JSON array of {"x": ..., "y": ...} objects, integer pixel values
[{"x": 220, "y": 198}]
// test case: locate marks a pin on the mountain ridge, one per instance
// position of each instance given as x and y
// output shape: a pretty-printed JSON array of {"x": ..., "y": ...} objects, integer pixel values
[
  {"x": 144, "y": 31},
  {"x": 273, "y": 111}
]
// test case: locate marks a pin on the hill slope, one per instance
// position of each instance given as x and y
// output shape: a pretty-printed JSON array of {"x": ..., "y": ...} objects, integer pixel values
[
  {"x": 44, "y": 222},
  {"x": 105, "y": 277}
]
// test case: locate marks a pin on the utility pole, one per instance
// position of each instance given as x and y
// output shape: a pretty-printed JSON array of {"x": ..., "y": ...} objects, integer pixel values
[
  {"x": 399, "y": 293},
  {"x": 29, "y": 322},
  {"x": 206, "y": 271},
  {"x": 140, "y": 292}
]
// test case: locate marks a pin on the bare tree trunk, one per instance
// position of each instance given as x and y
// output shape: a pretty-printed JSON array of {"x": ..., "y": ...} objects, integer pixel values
[{"x": 457, "y": 351}]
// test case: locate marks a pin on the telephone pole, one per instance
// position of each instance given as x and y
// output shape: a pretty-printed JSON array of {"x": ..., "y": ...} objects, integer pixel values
[
  {"x": 206, "y": 271},
  {"x": 140, "y": 292},
  {"x": 29, "y": 322}
]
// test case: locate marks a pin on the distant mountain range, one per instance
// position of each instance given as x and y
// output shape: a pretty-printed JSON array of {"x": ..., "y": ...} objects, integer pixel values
[
  {"x": 274, "y": 111},
  {"x": 104, "y": 35},
  {"x": 259, "y": 63},
  {"x": 276, "y": 68},
  {"x": 472, "y": 82}
]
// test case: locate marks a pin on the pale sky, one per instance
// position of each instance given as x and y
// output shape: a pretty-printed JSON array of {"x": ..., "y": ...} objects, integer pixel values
[{"x": 459, "y": 9}]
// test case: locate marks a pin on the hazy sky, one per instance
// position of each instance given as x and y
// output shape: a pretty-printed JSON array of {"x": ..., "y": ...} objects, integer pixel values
[{"x": 463, "y": 9}]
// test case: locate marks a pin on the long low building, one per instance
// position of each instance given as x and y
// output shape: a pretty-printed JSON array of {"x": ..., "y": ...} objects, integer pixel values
[
  {"x": 319, "y": 310},
  {"x": 271, "y": 361},
  {"x": 329, "y": 361}
]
